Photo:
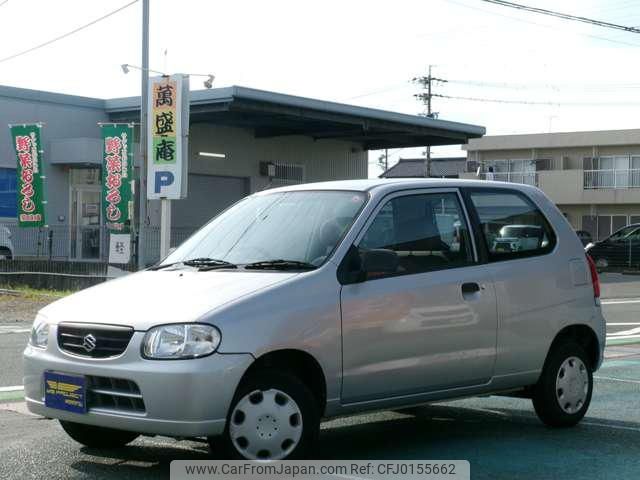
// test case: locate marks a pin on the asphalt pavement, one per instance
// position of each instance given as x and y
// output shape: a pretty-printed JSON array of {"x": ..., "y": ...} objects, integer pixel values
[{"x": 501, "y": 437}]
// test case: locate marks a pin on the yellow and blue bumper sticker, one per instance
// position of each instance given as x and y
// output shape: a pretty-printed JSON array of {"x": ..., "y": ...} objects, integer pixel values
[{"x": 65, "y": 392}]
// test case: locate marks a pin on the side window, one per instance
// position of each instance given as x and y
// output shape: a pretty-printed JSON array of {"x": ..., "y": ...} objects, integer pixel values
[
  {"x": 512, "y": 225},
  {"x": 421, "y": 233}
]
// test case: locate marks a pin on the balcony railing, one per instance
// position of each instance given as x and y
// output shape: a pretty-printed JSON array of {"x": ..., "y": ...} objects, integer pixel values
[
  {"x": 612, "y": 178},
  {"x": 528, "y": 178}
]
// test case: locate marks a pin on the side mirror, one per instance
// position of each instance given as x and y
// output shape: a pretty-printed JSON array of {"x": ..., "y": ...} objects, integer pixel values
[
  {"x": 379, "y": 262},
  {"x": 350, "y": 270},
  {"x": 356, "y": 267}
]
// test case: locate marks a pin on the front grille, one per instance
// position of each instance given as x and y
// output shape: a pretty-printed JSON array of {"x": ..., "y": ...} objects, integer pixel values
[
  {"x": 115, "y": 394},
  {"x": 94, "y": 341}
]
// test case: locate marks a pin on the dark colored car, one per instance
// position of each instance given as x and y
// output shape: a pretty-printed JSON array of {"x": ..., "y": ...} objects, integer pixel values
[
  {"x": 585, "y": 237},
  {"x": 620, "y": 250}
]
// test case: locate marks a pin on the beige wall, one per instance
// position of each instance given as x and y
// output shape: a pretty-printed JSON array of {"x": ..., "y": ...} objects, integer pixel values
[
  {"x": 567, "y": 158},
  {"x": 565, "y": 188},
  {"x": 322, "y": 159},
  {"x": 564, "y": 183},
  {"x": 574, "y": 213}
]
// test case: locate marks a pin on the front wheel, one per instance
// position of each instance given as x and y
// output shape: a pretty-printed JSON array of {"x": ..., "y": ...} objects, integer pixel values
[
  {"x": 274, "y": 416},
  {"x": 97, "y": 437},
  {"x": 563, "y": 393}
]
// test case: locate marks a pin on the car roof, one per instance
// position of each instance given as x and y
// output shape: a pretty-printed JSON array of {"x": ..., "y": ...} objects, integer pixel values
[{"x": 391, "y": 184}]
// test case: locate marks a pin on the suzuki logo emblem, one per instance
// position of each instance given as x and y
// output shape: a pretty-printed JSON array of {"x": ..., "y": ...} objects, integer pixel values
[{"x": 89, "y": 343}]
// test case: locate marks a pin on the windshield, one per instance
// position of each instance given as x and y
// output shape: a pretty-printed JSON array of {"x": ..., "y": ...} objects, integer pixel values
[
  {"x": 622, "y": 234},
  {"x": 302, "y": 226}
]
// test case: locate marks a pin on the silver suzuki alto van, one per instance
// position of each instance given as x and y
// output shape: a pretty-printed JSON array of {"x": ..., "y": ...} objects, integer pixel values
[{"x": 313, "y": 301}]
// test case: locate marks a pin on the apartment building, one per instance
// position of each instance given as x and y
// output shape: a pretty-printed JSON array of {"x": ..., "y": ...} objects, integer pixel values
[{"x": 593, "y": 177}]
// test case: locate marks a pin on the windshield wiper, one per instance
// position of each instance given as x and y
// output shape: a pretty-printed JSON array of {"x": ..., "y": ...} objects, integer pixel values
[
  {"x": 202, "y": 264},
  {"x": 280, "y": 265},
  {"x": 206, "y": 263}
]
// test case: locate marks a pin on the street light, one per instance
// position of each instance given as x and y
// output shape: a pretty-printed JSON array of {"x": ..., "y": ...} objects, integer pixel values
[
  {"x": 208, "y": 83},
  {"x": 126, "y": 68}
]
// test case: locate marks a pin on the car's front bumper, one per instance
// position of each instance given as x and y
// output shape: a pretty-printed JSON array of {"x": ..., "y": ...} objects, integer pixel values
[{"x": 182, "y": 398}]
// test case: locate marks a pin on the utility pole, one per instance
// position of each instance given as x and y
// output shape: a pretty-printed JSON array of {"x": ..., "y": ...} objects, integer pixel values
[
  {"x": 144, "y": 107},
  {"x": 427, "y": 160},
  {"x": 426, "y": 83}
]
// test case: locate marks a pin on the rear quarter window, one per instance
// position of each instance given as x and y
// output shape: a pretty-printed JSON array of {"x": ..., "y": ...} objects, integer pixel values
[{"x": 511, "y": 224}]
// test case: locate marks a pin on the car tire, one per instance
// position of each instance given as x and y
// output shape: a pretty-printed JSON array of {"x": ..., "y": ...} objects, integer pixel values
[
  {"x": 98, "y": 437},
  {"x": 5, "y": 254},
  {"x": 563, "y": 392},
  {"x": 273, "y": 416}
]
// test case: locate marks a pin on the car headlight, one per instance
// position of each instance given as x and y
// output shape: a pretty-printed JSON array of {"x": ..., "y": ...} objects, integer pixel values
[
  {"x": 180, "y": 341},
  {"x": 39, "y": 332}
]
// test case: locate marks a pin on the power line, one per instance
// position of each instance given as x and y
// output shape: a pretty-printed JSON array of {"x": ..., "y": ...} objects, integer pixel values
[
  {"x": 546, "y": 85},
  {"x": 542, "y": 25},
  {"x": 528, "y": 102},
  {"x": 49, "y": 42},
  {"x": 564, "y": 16}
]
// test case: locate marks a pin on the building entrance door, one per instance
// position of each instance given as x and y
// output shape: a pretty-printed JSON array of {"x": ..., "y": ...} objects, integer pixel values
[{"x": 85, "y": 232}]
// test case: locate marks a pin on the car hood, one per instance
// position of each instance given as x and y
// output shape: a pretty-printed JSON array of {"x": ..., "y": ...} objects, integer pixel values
[{"x": 150, "y": 298}]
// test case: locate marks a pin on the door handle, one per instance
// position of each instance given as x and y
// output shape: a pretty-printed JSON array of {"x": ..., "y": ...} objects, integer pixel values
[{"x": 469, "y": 288}]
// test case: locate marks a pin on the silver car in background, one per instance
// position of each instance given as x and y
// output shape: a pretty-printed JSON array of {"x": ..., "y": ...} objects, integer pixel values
[{"x": 313, "y": 301}]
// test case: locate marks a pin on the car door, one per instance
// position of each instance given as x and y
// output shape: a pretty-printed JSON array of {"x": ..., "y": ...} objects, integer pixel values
[
  {"x": 616, "y": 248},
  {"x": 429, "y": 322},
  {"x": 633, "y": 240}
]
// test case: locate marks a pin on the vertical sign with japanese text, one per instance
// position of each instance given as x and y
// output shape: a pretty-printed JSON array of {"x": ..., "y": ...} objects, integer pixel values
[
  {"x": 30, "y": 175},
  {"x": 168, "y": 123},
  {"x": 119, "y": 248},
  {"x": 117, "y": 176}
]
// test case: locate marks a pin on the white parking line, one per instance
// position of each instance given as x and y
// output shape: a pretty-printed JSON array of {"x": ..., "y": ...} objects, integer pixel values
[
  {"x": 623, "y": 323},
  {"x": 614, "y": 336},
  {"x": 15, "y": 388},
  {"x": 7, "y": 330},
  {"x": 620, "y": 302},
  {"x": 606, "y": 425},
  {"x": 614, "y": 379},
  {"x": 626, "y": 333}
]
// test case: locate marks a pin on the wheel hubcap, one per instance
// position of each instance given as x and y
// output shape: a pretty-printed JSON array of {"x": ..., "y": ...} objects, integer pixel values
[
  {"x": 266, "y": 425},
  {"x": 572, "y": 385}
]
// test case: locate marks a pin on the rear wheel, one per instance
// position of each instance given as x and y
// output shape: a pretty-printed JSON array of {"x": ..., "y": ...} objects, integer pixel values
[
  {"x": 5, "y": 254},
  {"x": 274, "y": 416},
  {"x": 97, "y": 437},
  {"x": 563, "y": 393}
]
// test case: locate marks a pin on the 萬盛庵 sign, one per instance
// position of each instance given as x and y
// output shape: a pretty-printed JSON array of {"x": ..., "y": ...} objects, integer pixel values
[{"x": 167, "y": 131}]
